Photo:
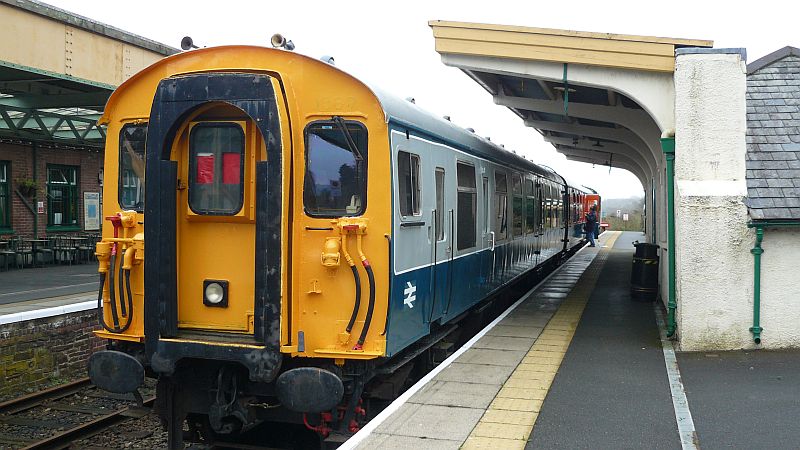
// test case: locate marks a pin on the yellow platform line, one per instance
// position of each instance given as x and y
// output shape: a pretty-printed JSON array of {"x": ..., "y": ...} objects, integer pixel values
[{"x": 512, "y": 415}]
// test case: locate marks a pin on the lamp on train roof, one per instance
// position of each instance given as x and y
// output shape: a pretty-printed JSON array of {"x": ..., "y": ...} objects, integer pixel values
[
  {"x": 411, "y": 100},
  {"x": 187, "y": 43},
  {"x": 471, "y": 130},
  {"x": 328, "y": 59},
  {"x": 279, "y": 41}
]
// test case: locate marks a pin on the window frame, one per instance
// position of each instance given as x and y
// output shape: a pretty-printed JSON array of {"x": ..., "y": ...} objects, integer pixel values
[
  {"x": 516, "y": 176},
  {"x": 416, "y": 185},
  {"x": 193, "y": 167},
  {"x": 5, "y": 191},
  {"x": 120, "y": 176},
  {"x": 73, "y": 199},
  {"x": 438, "y": 219},
  {"x": 364, "y": 172},
  {"x": 473, "y": 192}
]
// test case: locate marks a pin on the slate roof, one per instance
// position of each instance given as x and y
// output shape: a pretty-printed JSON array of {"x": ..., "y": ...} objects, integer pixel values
[{"x": 773, "y": 136}]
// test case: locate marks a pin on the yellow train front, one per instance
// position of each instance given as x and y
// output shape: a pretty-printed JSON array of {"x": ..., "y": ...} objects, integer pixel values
[{"x": 275, "y": 266}]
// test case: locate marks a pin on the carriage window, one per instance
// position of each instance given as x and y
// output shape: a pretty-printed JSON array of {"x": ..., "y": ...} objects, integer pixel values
[
  {"x": 336, "y": 174},
  {"x": 216, "y": 168},
  {"x": 500, "y": 205},
  {"x": 439, "y": 204},
  {"x": 517, "y": 208},
  {"x": 408, "y": 178},
  {"x": 530, "y": 202},
  {"x": 131, "y": 166},
  {"x": 467, "y": 205}
]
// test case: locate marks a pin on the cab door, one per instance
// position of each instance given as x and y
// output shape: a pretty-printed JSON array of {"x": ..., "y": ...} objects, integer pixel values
[{"x": 217, "y": 155}]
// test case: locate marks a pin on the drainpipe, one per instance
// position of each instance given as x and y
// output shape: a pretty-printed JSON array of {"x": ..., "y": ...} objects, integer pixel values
[
  {"x": 757, "y": 251},
  {"x": 668, "y": 147},
  {"x": 35, "y": 198}
]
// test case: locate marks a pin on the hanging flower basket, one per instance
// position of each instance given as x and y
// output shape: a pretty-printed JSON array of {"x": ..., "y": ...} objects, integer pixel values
[{"x": 27, "y": 187}]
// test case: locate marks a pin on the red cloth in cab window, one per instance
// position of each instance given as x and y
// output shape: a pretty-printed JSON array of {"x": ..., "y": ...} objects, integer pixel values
[
  {"x": 231, "y": 163},
  {"x": 205, "y": 168}
]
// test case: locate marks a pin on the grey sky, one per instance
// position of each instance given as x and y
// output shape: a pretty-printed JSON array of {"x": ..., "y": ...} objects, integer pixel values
[{"x": 390, "y": 44}]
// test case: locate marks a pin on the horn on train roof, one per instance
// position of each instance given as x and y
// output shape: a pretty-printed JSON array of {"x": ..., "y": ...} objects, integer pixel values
[{"x": 279, "y": 41}]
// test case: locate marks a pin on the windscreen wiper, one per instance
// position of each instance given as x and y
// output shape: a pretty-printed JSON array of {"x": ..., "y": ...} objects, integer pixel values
[{"x": 348, "y": 138}]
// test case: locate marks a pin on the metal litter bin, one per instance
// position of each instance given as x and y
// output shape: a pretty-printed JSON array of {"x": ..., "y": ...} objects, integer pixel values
[{"x": 644, "y": 274}]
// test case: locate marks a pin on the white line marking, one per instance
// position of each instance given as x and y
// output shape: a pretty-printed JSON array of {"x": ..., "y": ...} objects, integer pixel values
[
  {"x": 400, "y": 401},
  {"x": 47, "y": 312},
  {"x": 683, "y": 415},
  {"x": 93, "y": 283}
]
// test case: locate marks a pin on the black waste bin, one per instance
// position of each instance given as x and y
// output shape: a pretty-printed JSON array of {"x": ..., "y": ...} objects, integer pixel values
[{"x": 644, "y": 275}]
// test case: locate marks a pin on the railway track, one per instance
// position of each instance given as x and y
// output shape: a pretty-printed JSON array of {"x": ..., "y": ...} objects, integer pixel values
[{"x": 57, "y": 417}]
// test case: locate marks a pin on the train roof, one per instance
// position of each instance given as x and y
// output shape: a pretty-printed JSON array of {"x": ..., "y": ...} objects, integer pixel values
[{"x": 406, "y": 113}]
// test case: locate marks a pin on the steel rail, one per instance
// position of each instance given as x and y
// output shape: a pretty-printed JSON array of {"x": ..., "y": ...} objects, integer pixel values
[{"x": 37, "y": 398}]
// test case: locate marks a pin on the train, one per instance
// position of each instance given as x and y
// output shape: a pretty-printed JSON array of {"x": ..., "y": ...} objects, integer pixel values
[{"x": 284, "y": 243}]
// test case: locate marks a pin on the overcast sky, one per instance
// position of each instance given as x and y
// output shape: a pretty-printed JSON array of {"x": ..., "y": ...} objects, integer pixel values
[{"x": 390, "y": 44}]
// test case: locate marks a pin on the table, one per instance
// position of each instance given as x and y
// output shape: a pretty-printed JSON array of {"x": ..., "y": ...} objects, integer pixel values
[{"x": 34, "y": 244}]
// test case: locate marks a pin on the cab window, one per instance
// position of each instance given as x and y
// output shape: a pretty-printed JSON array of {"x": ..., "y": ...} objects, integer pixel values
[
  {"x": 216, "y": 171},
  {"x": 131, "y": 166},
  {"x": 335, "y": 182}
]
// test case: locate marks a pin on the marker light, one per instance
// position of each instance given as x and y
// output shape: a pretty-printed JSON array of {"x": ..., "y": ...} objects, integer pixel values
[{"x": 215, "y": 293}]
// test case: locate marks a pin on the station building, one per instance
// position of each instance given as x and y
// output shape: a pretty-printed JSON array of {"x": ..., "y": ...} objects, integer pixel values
[{"x": 54, "y": 84}]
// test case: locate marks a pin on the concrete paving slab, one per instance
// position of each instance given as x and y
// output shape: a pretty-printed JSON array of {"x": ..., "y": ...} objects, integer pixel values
[
  {"x": 505, "y": 330},
  {"x": 454, "y": 393},
  {"x": 504, "y": 343},
  {"x": 523, "y": 321},
  {"x": 432, "y": 422},
  {"x": 387, "y": 441},
  {"x": 492, "y": 357},
  {"x": 475, "y": 373}
]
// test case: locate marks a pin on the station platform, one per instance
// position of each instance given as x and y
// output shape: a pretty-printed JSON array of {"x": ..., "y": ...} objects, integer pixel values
[
  {"x": 41, "y": 292},
  {"x": 578, "y": 364}
]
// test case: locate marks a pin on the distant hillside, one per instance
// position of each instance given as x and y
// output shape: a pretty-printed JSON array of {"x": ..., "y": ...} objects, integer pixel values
[{"x": 633, "y": 207}]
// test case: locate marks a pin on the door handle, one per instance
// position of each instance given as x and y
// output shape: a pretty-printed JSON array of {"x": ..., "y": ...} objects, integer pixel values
[{"x": 491, "y": 233}]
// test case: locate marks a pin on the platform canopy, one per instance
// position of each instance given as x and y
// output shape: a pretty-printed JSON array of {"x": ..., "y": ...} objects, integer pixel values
[
  {"x": 597, "y": 97},
  {"x": 57, "y": 70}
]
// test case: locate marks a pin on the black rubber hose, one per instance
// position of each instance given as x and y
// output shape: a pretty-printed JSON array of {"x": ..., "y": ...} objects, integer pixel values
[
  {"x": 357, "y": 304},
  {"x": 129, "y": 319},
  {"x": 371, "y": 307},
  {"x": 121, "y": 282},
  {"x": 111, "y": 291},
  {"x": 100, "y": 305}
]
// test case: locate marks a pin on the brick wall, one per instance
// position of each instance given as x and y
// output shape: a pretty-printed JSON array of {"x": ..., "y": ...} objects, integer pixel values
[
  {"x": 89, "y": 162},
  {"x": 42, "y": 352}
]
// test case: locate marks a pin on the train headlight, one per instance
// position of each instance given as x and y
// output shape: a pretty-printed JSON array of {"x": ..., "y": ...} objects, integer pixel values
[{"x": 215, "y": 293}]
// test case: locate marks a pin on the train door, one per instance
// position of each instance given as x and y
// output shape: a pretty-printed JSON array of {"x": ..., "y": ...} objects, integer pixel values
[
  {"x": 440, "y": 244},
  {"x": 217, "y": 155},
  {"x": 489, "y": 238},
  {"x": 539, "y": 219}
]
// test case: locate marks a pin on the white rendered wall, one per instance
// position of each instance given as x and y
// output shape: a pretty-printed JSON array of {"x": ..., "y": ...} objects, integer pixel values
[
  {"x": 714, "y": 267},
  {"x": 780, "y": 290}
]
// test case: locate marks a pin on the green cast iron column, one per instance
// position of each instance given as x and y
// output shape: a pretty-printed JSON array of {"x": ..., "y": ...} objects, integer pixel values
[{"x": 668, "y": 147}]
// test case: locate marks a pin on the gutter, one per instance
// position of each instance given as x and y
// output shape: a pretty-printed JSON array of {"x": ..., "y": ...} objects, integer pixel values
[{"x": 757, "y": 251}]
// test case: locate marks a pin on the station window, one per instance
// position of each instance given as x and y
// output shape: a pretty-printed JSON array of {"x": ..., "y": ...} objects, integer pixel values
[
  {"x": 335, "y": 182},
  {"x": 5, "y": 196},
  {"x": 62, "y": 196},
  {"x": 500, "y": 206},
  {"x": 467, "y": 205},
  {"x": 131, "y": 166},
  {"x": 530, "y": 205},
  {"x": 439, "y": 222},
  {"x": 216, "y": 168},
  {"x": 408, "y": 181},
  {"x": 517, "y": 218}
]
